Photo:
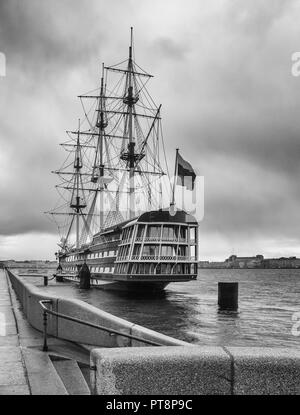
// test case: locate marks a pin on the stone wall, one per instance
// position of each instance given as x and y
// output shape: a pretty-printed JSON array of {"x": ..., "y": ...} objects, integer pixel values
[
  {"x": 196, "y": 370},
  {"x": 30, "y": 295}
]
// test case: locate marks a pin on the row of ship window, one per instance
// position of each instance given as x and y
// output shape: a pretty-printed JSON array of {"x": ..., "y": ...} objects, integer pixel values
[
  {"x": 105, "y": 270},
  {"x": 156, "y": 250},
  {"x": 95, "y": 255},
  {"x": 144, "y": 268},
  {"x": 151, "y": 268},
  {"x": 162, "y": 232}
]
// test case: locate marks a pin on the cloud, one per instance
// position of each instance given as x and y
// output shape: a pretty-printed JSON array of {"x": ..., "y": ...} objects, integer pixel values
[
  {"x": 223, "y": 74},
  {"x": 168, "y": 49}
]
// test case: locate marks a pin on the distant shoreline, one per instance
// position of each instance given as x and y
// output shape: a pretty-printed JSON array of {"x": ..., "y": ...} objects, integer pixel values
[{"x": 252, "y": 262}]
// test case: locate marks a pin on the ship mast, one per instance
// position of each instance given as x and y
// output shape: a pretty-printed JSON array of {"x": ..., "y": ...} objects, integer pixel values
[
  {"x": 78, "y": 203},
  {"x": 116, "y": 150},
  {"x": 130, "y": 100},
  {"x": 101, "y": 124}
]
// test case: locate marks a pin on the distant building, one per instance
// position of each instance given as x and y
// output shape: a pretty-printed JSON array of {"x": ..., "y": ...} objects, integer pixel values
[
  {"x": 207, "y": 264},
  {"x": 245, "y": 262},
  {"x": 203, "y": 264},
  {"x": 291, "y": 262},
  {"x": 257, "y": 261}
]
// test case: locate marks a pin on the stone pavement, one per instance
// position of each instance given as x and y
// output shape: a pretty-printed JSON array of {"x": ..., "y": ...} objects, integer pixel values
[
  {"x": 13, "y": 378},
  {"x": 24, "y": 368}
]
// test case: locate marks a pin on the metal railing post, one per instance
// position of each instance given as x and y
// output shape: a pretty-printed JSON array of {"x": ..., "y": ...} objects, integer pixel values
[
  {"x": 45, "y": 281},
  {"x": 45, "y": 346}
]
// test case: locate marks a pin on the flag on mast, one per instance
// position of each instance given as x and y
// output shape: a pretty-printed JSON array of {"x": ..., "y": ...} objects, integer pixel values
[{"x": 185, "y": 173}]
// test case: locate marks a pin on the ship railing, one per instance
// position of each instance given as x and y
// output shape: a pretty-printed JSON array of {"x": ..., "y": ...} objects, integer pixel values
[
  {"x": 168, "y": 257},
  {"x": 150, "y": 257},
  {"x": 45, "y": 276},
  {"x": 157, "y": 257},
  {"x": 111, "y": 332},
  {"x": 169, "y": 238},
  {"x": 152, "y": 239}
]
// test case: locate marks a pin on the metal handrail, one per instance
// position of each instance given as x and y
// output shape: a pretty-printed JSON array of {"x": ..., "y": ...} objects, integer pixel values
[
  {"x": 86, "y": 323},
  {"x": 46, "y": 277}
]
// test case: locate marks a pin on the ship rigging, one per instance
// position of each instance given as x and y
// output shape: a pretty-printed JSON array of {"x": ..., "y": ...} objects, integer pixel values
[{"x": 112, "y": 184}]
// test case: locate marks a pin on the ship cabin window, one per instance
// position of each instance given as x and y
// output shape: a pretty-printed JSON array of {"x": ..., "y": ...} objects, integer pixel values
[
  {"x": 164, "y": 269},
  {"x": 142, "y": 268},
  {"x": 140, "y": 232},
  {"x": 183, "y": 233},
  {"x": 179, "y": 269},
  {"x": 151, "y": 250},
  {"x": 193, "y": 233},
  {"x": 137, "y": 249},
  {"x": 123, "y": 268},
  {"x": 124, "y": 250},
  {"x": 153, "y": 233},
  {"x": 182, "y": 251},
  {"x": 101, "y": 269},
  {"x": 193, "y": 268},
  {"x": 127, "y": 233},
  {"x": 112, "y": 269},
  {"x": 170, "y": 233},
  {"x": 107, "y": 269},
  {"x": 193, "y": 251},
  {"x": 168, "y": 250},
  {"x": 130, "y": 230}
]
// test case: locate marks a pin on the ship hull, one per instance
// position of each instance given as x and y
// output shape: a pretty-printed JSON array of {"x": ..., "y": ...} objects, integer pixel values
[
  {"x": 144, "y": 254},
  {"x": 141, "y": 286}
]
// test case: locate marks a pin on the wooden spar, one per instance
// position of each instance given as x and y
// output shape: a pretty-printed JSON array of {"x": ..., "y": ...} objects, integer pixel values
[{"x": 175, "y": 178}]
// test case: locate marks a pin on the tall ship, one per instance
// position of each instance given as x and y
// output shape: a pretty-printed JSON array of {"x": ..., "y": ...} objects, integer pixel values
[{"x": 116, "y": 212}]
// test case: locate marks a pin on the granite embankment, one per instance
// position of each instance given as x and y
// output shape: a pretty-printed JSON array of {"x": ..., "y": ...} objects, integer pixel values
[{"x": 30, "y": 296}]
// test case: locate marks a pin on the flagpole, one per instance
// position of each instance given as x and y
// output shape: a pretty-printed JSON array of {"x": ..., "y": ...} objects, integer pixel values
[{"x": 175, "y": 178}]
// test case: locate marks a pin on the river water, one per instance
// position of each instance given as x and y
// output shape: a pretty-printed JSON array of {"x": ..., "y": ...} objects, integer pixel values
[{"x": 188, "y": 311}]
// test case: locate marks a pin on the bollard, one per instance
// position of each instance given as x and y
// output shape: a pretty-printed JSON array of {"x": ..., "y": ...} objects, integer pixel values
[
  {"x": 84, "y": 277},
  {"x": 45, "y": 346},
  {"x": 59, "y": 278},
  {"x": 45, "y": 281},
  {"x": 228, "y": 295}
]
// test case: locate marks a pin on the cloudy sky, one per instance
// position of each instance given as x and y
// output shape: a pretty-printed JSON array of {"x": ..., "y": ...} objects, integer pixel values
[{"x": 223, "y": 75}]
